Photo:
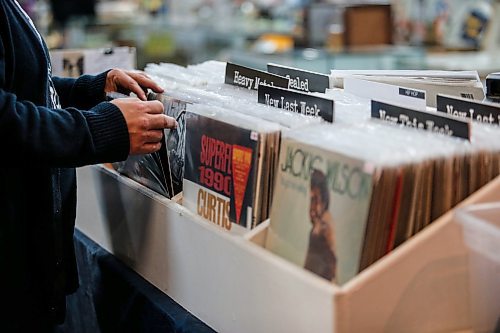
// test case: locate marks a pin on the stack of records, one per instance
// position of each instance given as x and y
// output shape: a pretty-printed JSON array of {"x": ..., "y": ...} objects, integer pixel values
[
  {"x": 346, "y": 195},
  {"x": 229, "y": 166},
  {"x": 172, "y": 150},
  {"x": 162, "y": 171},
  {"x": 204, "y": 84},
  {"x": 201, "y": 84}
]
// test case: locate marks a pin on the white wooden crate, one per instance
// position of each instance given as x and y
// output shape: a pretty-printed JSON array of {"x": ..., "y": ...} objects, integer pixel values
[{"x": 235, "y": 285}]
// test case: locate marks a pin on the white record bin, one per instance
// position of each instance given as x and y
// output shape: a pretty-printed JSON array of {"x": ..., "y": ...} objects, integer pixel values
[{"x": 233, "y": 284}]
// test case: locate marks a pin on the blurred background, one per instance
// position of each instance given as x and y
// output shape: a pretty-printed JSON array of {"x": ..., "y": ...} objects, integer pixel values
[{"x": 314, "y": 35}]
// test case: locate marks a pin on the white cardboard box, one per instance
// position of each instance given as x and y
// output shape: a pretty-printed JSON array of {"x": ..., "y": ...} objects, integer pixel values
[
  {"x": 235, "y": 285},
  {"x": 75, "y": 62}
]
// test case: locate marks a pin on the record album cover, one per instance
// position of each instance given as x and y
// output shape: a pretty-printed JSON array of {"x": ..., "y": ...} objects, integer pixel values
[
  {"x": 172, "y": 151},
  {"x": 220, "y": 170},
  {"x": 320, "y": 208}
]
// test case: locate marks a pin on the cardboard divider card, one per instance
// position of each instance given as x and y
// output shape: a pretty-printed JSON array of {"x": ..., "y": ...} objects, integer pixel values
[
  {"x": 119, "y": 57},
  {"x": 250, "y": 78},
  {"x": 464, "y": 84},
  {"x": 482, "y": 112},
  {"x": 413, "y": 98},
  {"x": 429, "y": 121},
  {"x": 76, "y": 62},
  {"x": 67, "y": 63},
  {"x": 301, "y": 80},
  {"x": 297, "y": 102}
]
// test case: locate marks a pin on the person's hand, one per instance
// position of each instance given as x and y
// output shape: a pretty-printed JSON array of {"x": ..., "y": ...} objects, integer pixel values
[
  {"x": 145, "y": 121},
  {"x": 130, "y": 81}
]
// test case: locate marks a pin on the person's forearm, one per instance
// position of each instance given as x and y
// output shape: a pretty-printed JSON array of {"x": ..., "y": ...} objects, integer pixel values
[{"x": 39, "y": 136}]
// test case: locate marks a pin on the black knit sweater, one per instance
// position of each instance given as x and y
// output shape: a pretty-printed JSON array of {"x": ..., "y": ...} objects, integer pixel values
[{"x": 41, "y": 142}]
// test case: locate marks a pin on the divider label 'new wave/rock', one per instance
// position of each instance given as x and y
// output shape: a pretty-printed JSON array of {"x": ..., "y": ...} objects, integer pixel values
[{"x": 429, "y": 121}]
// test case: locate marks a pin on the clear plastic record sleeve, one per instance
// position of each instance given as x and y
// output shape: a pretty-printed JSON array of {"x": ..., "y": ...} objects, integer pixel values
[{"x": 216, "y": 93}]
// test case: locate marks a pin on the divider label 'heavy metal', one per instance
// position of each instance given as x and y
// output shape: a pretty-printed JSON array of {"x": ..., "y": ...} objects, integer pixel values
[{"x": 249, "y": 78}]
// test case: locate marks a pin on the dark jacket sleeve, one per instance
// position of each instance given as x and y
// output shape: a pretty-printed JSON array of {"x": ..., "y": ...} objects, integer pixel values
[
  {"x": 84, "y": 92},
  {"x": 32, "y": 135}
]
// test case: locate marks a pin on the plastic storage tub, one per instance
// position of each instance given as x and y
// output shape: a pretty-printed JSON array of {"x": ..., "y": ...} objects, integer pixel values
[{"x": 481, "y": 231}]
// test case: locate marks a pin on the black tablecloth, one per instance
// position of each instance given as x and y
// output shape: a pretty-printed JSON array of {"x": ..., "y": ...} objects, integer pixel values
[{"x": 114, "y": 298}]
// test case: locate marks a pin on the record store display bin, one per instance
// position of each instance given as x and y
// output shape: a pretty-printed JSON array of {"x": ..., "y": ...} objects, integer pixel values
[{"x": 233, "y": 284}]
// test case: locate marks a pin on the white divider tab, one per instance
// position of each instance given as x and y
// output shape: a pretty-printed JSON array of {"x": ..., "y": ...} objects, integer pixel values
[{"x": 413, "y": 98}]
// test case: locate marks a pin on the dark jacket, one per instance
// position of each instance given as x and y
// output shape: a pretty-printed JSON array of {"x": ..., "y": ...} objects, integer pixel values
[{"x": 40, "y": 146}]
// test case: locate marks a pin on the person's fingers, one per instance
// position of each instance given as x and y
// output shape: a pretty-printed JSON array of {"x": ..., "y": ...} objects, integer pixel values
[
  {"x": 134, "y": 81},
  {"x": 124, "y": 80},
  {"x": 161, "y": 121},
  {"x": 170, "y": 122},
  {"x": 154, "y": 107},
  {"x": 123, "y": 102},
  {"x": 153, "y": 136},
  {"x": 134, "y": 87},
  {"x": 145, "y": 81},
  {"x": 149, "y": 148},
  {"x": 137, "y": 71}
]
